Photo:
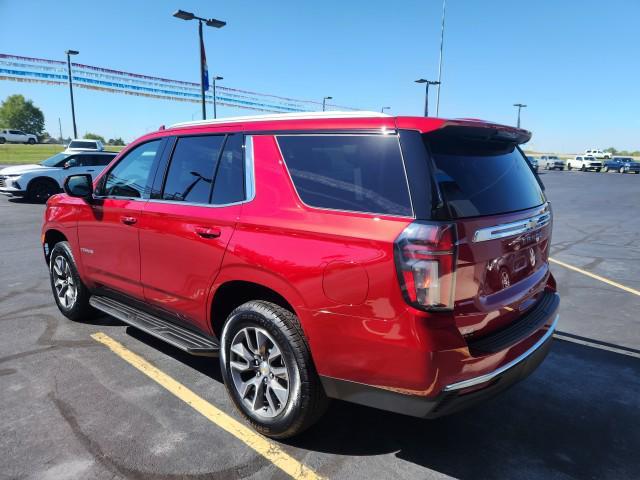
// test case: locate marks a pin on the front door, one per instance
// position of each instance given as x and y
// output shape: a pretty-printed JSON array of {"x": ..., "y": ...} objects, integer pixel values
[
  {"x": 184, "y": 232},
  {"x": 108, "y": 228}
]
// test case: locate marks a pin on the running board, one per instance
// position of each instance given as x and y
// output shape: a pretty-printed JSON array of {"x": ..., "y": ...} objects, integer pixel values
[{"x": 180, "y": 337}]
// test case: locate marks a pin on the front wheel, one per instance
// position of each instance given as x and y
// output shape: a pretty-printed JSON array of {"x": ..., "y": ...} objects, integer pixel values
[
  {"x": 621, "y": 170},
  {"x": 268, "y": 371},
  {"x": 597, "y": 170},
  {"x": 40, "y": 190},
  {"x": 2, "y": 140},
  {"x": 70, "y": 293},
  {"x": 583, "y": 168},
  {"x": 605, "y": 169},
  {"x": 568, "y": 166},
  {"x": 31, "y": 141}
]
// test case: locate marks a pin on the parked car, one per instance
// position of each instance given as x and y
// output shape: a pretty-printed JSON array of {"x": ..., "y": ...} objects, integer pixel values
[
  {"x": 328, "y": 255},
  {"x": 17, "y": 136},
  {"x": 622, "y": 165},
  {"x": 597, "y": 153},
  {"x": 552, "y": 162},
  {"x": 534, "y": 163},
  {"x": 38, "y": 182},
  {"x": 584, "y": 163},
  {"x": 83, "y": 145}
]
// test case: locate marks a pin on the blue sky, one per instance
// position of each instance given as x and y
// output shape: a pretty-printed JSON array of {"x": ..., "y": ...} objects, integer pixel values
[{"x": 574, "y": 62}]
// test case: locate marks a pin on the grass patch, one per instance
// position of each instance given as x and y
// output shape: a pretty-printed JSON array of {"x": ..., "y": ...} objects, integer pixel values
[{"x": 17, "y": 154}]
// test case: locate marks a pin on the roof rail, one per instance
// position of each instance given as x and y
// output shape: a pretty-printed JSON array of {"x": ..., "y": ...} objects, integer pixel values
[{"x": 282, "y": 116}]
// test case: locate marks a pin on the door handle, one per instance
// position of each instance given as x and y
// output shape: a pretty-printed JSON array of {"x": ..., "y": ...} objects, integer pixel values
[
  {"x": 129, "y": 220},
  {"x": 208, "y": 232}
]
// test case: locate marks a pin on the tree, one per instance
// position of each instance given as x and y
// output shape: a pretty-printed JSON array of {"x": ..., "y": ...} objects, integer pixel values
[
  {"x": 611, "y": 150},
  {"x": 21, "y": 114},
  {"x": 94, "y": 136},
  {"x": 116, "y": 141}
]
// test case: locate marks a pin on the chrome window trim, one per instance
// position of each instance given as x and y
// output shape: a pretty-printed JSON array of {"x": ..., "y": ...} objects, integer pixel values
[
  {"x": 375, "y": 214},
  {"x": 513, "y": 228},
  {"x": 491, "y": 375}
]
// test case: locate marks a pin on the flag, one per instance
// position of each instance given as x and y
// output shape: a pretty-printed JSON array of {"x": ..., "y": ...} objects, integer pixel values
[{"x": 203, "y": 61}]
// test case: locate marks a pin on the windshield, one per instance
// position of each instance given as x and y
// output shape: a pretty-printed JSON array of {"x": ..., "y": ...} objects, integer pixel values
[
  {"x": 78, "y": 144},
  {"x": 54, "y": 161}
]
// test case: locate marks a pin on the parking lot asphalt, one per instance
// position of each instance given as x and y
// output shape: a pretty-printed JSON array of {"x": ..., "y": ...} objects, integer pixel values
[{"x": 71, "y": 408}]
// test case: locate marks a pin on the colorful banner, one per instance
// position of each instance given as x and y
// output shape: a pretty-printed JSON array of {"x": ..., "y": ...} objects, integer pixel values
[{"x": 54, "y": 72}]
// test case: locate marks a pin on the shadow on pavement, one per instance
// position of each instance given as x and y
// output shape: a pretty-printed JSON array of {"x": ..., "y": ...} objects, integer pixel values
[{"x": 577, "y": 416}]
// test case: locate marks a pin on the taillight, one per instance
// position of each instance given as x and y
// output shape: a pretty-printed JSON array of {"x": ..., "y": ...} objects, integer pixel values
[{"x": 425, "y": 255}]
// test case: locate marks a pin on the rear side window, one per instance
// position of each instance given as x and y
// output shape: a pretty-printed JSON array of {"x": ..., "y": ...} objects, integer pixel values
[
  {"x": 362, "y": 173},
  {"x": 229, "y": 178},
  {"x": 481, "y": 177},
  {"x": 192, "y": 169}
]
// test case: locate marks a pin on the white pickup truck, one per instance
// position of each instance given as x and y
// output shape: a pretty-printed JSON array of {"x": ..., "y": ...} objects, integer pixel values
[
  {"x": 584, "y": 163},
  {"x": 17, "y": 136},
  {"x": 597, "y": 153}
]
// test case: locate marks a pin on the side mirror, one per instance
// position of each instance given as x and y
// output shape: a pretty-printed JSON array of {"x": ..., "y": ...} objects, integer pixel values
[{"x": 79, "y": 186}]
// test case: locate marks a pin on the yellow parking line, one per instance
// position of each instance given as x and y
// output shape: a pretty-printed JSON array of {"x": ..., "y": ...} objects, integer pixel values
[
  {"x": 597, "y": 277},
  {"x": 260, "y": 444}
]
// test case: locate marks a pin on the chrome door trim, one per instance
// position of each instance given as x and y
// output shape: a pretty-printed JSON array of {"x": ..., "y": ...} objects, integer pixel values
[{"x": 513, "y": 228}]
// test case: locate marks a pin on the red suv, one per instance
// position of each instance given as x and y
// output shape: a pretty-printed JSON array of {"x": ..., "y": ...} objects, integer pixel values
[{"x": 395, "y": 262}]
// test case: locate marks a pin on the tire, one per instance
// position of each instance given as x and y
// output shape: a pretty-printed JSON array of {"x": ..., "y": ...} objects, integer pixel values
[
  {"x": 637, "y": 172},
  {"x": 63, "y": 273},
  {"x": 569, "y": 166},
  {"x": 598, "y": 170},
  {"x": 40, "y": 190},
  {"x": 583, "y": 169},
  {"x": 621, "y": 170},
  {"x": 301, "y": 401},
  {"x": 605, "y": 169},
  {"x": 31, "y": 141}
]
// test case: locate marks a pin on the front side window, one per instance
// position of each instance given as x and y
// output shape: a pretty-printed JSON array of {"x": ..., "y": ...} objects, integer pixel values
[
  {"x": 192, "y": 168},
  {"x": 362, "y": 173},
  {"x": 130, "y": 177},
  {"x": 56, "y": 161}
]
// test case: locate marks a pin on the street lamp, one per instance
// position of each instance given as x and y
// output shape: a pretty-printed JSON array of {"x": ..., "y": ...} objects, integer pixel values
[
  {"x": 210, "y": 22},
  {"x": 444, "y": 10},
  {"x": 520, "y": 107},
  {"x": 426, "y": 93},
  {"x": 73, "y": 109},
  {"x": 215, "y": 77},
  {"x": 383, "y": 109},
  {"x": 324, "y": 100}
]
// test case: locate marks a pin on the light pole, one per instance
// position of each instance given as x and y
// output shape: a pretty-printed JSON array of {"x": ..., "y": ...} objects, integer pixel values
[
  {"x": 215, "y": 77},
  {"x": 426, "y": 93},
  {"x": 73, "y": 109},
  {"x": 384, "y": 108},
  {"x": 444, "y": 9},
  {"x": 204, "y": 74},
  {"x": 324, "y": 100},
  {"x": 520, "y": 107}
]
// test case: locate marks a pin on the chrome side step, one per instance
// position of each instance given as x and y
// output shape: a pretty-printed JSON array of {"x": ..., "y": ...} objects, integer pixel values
[{"x": 176, "y": 335}]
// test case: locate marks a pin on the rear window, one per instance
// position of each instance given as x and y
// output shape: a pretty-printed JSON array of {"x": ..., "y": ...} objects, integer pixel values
[
  {"x": 481, "y": 177},
  {"x": 362, "y": 173},
  {"x": 78, "y": 144}
]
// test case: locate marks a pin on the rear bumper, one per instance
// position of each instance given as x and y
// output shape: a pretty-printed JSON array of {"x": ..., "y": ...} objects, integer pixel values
[{"x": 454, "y": 396}]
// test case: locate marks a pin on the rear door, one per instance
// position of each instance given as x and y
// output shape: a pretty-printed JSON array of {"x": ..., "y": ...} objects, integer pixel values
[
  {"x": 503, "y": 225},
  {"x": 188, "y": 223}
]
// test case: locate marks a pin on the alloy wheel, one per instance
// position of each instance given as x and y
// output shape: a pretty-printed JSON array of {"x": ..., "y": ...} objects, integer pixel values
[
  {"x": 259, "y": 372},
  {"x": 66, "y": 289}
]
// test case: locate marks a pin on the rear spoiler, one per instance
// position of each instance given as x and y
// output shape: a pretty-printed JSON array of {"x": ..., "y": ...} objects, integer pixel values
[{"x": 467, "y": 127}]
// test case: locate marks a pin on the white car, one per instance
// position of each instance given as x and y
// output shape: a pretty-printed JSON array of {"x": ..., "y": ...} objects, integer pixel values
[
  {"x": 17, "y": 136},
  {"x": 38, "y": 182},
  {"x": 84, "y": 145},
  {"x": 551, "y": 162},
  {"x": 597, "y": 153},
  {"x": 584, "y": 163}
]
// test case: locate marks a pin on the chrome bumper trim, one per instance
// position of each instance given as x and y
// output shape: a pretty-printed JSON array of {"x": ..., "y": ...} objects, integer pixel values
[{"x": 491, "y": 375}]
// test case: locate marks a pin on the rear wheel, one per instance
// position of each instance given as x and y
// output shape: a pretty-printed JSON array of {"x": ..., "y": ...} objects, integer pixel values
[
  {"x": 268, "y": 370},
  {"x": 2, "y": 140},
  {"x": 71, "y": 295},
  {"x": 40, "y": 190}
]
